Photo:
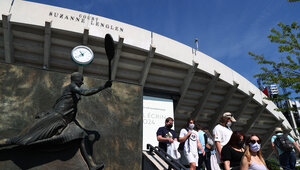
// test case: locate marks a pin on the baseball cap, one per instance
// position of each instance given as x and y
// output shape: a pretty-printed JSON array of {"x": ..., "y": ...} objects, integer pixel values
[
  {"x": 278, "y": 129},
  {"x": 229, "y": 115}
]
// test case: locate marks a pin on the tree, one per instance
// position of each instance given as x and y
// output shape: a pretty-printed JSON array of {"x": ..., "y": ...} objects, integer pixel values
[{"x": 286, "y": 71}]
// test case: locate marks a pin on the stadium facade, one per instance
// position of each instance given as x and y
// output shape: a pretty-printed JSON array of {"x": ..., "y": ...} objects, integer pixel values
[{"x": 41, "y": 37}]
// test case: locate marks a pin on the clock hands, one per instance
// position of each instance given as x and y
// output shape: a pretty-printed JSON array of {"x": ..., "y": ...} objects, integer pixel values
[{"x": 81, "y": 53}]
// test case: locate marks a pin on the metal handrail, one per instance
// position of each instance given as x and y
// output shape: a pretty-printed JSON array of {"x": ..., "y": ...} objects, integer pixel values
[{"x": 166, "y": 157}]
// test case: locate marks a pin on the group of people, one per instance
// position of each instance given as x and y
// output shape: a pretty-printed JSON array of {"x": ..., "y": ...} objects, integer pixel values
[{"x": 225, "y": 149}]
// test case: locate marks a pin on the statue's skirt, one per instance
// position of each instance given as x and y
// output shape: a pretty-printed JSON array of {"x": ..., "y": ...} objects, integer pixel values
[{"x": 53, "y": 128}]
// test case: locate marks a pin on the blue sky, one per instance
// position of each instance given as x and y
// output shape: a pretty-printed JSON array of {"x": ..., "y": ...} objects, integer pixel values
[{"x": 226, "y": 29}]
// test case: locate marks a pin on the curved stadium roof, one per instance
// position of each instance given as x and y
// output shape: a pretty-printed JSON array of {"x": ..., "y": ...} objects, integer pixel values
[{"x": 201, "y": 87}]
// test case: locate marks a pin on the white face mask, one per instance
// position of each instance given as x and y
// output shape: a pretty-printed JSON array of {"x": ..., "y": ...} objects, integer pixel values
[
  {"x": 254, "y": 147},
  {"x": 191, "y": 126},
  {"x": 228, "y": 124}
]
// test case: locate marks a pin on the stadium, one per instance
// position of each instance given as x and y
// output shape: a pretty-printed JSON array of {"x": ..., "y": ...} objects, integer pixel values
[{"x": 40, "y": 38}]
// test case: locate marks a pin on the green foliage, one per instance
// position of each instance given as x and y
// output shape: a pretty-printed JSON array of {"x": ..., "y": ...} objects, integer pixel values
[
  {"x": 272, "y": 164},
  {"x": 286, "y": 71}
]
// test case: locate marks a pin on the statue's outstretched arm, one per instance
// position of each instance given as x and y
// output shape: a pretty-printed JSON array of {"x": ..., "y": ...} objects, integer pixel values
[{"x": 88, "y": 92}]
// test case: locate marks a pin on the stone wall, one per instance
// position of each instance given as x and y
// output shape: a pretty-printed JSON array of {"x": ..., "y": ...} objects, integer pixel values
[{"x": 114, "y": 113}]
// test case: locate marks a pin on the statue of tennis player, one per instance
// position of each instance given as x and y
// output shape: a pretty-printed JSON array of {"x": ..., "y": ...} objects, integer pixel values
[{"x": 58, "y": 125}]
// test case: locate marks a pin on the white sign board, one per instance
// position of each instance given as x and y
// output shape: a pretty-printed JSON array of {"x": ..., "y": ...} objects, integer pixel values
[{"x": 155, "y": 112}]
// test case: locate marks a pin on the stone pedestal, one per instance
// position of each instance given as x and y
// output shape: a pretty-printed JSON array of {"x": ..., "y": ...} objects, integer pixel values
[{"x": 43, "y": 158}]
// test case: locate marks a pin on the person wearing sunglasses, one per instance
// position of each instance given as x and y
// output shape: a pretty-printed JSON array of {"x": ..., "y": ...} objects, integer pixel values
[{"x": 253, "y": 159}]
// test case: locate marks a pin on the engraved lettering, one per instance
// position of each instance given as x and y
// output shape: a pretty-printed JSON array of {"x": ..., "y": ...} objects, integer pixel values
[{"x": 81, "y": 18}]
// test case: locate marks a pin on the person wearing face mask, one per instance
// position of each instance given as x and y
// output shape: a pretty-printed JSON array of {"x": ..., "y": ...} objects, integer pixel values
[
  {"x": 252, "y": 158},
  {"x": 232, "y": 153},
  {"x": 222, "y": 132},
  {"x": 166, "y": 135},
  {"x": 191, "y": 144}
]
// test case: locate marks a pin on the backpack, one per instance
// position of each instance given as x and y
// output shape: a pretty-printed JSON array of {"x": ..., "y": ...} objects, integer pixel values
[
  {"x": 181, "y": 145},
  {"x": 283, "y": 142},
  {"x": 209, "y": 142}
]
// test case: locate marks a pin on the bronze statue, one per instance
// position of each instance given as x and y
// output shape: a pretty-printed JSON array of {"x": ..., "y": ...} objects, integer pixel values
[{"x": 59, "y": 125}]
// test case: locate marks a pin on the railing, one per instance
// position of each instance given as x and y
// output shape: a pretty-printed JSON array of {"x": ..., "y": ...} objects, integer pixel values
[{"x": 166, "y": 157}]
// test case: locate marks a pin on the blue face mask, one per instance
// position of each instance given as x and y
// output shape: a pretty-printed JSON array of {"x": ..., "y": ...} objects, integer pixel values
[
  {"x": 254, "y": 147},
  {"x": 191, "y": 126}
]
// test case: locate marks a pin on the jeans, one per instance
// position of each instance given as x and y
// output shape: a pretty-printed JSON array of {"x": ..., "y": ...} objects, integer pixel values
[{"x": 287, "y": 160}]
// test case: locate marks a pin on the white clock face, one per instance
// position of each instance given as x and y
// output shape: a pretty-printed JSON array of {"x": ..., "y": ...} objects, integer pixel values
[{"x": 82, "y": 55}]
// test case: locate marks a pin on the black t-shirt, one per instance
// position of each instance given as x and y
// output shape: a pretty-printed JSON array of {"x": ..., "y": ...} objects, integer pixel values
[
  {"x": 164, "y": 132},
  {"x": 229, "y": 154}
]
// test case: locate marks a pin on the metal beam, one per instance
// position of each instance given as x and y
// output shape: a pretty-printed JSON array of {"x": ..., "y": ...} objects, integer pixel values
[
  {"x": 254, "y": 118},
  {"x": 243, "y": 106},
  {"x": 186, "y": 83},
  {"x": 204, "y": 98},
  {"x": 147, "y": 65},
  {"x": 47, "y": 44},
  {"x": 117, "y": 57},
  {"x": 269, "y": 152},
  {"x": 222, "y": 106},
  {"x": 85, "y": 39},
  {"x": 7, "y": 37}
]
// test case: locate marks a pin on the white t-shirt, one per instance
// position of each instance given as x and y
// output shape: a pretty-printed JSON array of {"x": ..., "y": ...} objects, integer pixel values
[
  {"x": 222, "y": 134},
  {"x": 190, "y": 144}
]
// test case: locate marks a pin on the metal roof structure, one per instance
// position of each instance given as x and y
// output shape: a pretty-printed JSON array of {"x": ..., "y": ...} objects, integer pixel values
[{"x": 201, "y": 87}]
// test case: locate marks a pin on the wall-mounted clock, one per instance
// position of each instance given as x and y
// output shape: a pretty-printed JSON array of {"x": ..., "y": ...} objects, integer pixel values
[{"x": 82, "y": 55}]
